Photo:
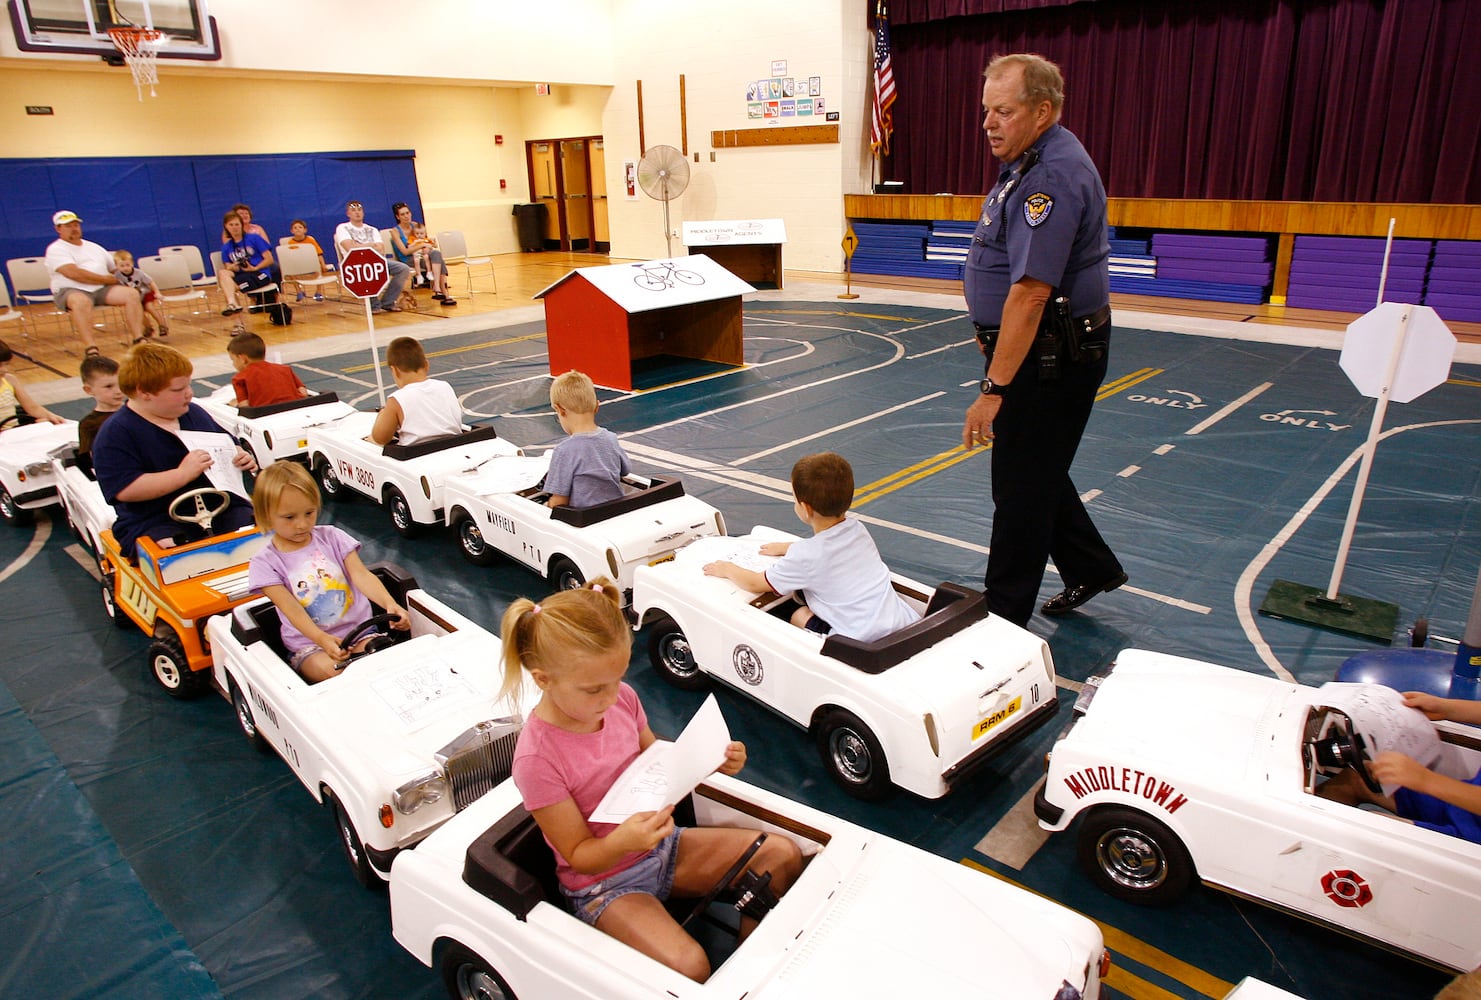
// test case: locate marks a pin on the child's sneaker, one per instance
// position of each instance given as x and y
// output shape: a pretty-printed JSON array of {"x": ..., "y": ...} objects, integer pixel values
[
  {"x": 301, "y": 296},
  {"x": 318, "y": 297}
]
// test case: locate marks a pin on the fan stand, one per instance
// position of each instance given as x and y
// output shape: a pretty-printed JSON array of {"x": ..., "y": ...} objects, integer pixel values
[{"x": 668, "y": 232}]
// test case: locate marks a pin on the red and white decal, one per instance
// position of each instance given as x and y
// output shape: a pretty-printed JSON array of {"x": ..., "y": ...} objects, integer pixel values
[
  {"x": 1126, "y": 780},
  {"x": 1346, "y": 887}
]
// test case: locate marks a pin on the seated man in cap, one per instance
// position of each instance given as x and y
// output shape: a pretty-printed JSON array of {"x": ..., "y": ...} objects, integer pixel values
[{"x": 83, "y": 276}]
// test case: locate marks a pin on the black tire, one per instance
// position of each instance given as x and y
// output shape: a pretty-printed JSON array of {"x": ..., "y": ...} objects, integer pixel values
[
  {"x": 13, "y": 514},
  {"x": 352, "y": 846},
  {"x": 1134, "y": 857},
  {"x": 853, "y": 755},
  {"x": 471, "y": 543},
  {"x": 401, "y": 519},
  {"x": 169, "y": 666},
  {"x": 117, "y": 615},
  {"x": 247, "y": 721},
  {"x": 564, "y": 574},
  {"x": 672, "y": 657},
  {"x": 1420, "y": 634},
  {"x": 329, "y": 482},
  {"x": 466, "y": 976}
]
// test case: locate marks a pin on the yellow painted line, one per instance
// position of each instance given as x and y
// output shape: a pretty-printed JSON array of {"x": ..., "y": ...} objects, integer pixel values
[
  {"x": 1127, "y": 381},
  {"x": 1125, "y": 981},
  {"x": 457, "y": 350},
  {"x": 1138, "y": 951},
  {"x": 1472, "y": 383},
  {"x": 915, "y": 473}
]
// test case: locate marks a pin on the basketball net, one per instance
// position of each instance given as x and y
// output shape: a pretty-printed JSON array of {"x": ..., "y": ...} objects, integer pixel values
[{"x": 138, "y": 47}]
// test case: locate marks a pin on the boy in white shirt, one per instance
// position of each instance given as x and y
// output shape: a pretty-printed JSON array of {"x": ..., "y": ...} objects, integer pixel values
[{"x": 421, "y": 407}]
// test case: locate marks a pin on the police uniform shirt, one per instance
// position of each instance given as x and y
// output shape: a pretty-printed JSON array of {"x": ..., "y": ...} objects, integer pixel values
[{"x": 1045, "y": 219}]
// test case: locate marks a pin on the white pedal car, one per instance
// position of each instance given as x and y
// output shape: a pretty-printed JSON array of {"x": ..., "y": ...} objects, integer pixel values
[
  {"x": 272, "y": 433},
  {"x": 1180, "y": 771},
  {"x": 918, "y": 708},
  {"x": 501, "y": 510},
  {"x": 407, "y": 479},
  {"x": 868, "y": 917},
  {"x": 26, "y": 478},
  {"x": 88, "y": 514},
  {"x": 403, "y": 738}
]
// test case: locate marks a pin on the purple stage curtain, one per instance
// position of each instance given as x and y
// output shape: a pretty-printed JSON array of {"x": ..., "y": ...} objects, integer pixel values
[
  {"x": 1336, "y": 100},
  {"x": 916, "y": 11}
]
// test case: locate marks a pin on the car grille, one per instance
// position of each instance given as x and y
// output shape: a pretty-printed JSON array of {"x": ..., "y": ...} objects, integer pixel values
[{"x": 479, "y": 759}]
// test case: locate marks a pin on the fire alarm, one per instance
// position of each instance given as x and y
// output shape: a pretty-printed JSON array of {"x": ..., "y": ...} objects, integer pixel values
[
  {"x": 503, "y": 184},
  {"x": 498, "y": 140}
]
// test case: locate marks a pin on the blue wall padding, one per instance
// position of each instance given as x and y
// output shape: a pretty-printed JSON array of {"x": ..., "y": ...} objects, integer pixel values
[{"x": 143, "y": 203}]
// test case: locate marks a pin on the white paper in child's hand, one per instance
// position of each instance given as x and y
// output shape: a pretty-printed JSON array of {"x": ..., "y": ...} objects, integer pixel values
[
  {"x": 666, "y": 772},
  {"x": 223, "y": 450}
]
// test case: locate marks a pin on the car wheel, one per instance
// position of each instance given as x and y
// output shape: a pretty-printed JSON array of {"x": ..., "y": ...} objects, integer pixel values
[
  {"x": 110, "y": 605},
  {"x": 171, "y": 668},
  {"x": 12, "y": 513},
  {"x": 247, "y": 721},
  {"x": 564, "y": 574},
  {"x": 468, "y": 977},
  {"x": 852, "y": 754},
  {"x": 474, "y": 546},
  {"x": 329, "y": 483},
  {"x": 672, "y": 656},
  {"x": 1134, "y": 857},
  {"x": 406, "y": 526},
  {"x": 353, "y": 847}
]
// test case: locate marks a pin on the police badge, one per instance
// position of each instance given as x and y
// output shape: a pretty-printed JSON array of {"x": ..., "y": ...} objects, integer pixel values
[{"x": 1036, "y": 208}]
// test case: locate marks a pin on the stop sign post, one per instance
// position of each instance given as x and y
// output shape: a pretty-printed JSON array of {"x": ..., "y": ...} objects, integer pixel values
[{"x": 364, "y": 274}]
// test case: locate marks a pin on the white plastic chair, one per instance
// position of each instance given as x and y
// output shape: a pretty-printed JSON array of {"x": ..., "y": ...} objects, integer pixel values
[
  {"x": 454, "y": 247},
  {"x": 299, "y": 264},
  {"x": 194, "y": 266},
  {"x": 31, "y": 279},
  {"x": 9, "y": 314},
  {"x": 170, "y": 273}
]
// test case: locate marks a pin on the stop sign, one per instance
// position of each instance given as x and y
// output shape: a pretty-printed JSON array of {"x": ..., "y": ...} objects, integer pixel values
[
  {"x": 1424, "y": 358},
  {"x": 364, "y": 272}
]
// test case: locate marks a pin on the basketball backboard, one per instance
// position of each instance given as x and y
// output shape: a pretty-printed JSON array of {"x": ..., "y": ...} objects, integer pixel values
[{"x": 81, "y": 26}]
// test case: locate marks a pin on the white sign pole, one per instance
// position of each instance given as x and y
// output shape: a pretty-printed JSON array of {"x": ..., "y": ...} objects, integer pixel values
[
  {"x": 1383, "y": 275},
  {"x": 1369, "y": 449},
  {"x": 375, "y": 360}
]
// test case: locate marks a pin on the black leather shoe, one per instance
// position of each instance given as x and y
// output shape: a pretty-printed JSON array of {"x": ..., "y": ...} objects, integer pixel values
[{"x": 1071, "y": 598}]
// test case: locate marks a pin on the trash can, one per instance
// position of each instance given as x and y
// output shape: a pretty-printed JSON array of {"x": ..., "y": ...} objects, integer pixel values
[{"x": 530, "y": 219}]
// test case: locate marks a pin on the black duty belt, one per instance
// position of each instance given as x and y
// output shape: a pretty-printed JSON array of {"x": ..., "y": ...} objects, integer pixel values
[{"x": 1091, "y": 321}]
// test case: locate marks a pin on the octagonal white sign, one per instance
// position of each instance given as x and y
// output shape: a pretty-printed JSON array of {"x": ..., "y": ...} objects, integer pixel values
[{"x": 1424, "y": 360}]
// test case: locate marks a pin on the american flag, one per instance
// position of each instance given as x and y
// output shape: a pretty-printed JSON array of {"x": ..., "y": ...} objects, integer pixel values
[{"x": 884, "y": 83}]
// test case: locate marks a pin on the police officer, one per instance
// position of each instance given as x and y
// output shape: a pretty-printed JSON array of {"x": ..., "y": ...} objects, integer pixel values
[{"x": 1038, "y": 291}]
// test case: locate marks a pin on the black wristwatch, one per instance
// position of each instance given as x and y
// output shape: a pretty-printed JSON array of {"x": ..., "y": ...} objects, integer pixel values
[{"x": 991, "y": 388}]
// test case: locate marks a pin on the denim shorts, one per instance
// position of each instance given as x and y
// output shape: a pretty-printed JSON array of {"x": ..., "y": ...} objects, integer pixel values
[{"x": 653, "y": 874}]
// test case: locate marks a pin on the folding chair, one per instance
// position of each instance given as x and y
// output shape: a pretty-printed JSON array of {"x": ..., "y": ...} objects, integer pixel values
[
  {"x": 454, "y": 249},
  {"x": 8, "y": 314},
  {"x": 194, "y": 266},
  {"x": 31, "y": 280},
  {"x": 175, "y": 283},
  {"x": 299, "y": 264}
]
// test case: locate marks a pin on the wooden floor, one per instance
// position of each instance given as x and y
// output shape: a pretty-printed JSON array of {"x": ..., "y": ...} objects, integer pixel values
[{"x": 46, "y": 348}]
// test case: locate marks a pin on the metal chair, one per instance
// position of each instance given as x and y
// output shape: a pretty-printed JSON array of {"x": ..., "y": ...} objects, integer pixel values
[{"x": 454, "y": 247}]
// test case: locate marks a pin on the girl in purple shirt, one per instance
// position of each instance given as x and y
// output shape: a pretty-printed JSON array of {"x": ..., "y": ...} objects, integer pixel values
[{"x": 586, "y": 729}]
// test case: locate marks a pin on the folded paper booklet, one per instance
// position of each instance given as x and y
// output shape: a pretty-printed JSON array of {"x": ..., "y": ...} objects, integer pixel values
[{"x": 666, "y": 772}]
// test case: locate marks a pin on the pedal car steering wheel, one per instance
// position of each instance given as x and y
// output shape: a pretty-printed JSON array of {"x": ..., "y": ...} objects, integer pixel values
[
  {"x": 1347, "y": 748},
  {"x": 203, "y": 514},
  {"x": 375, "y": 645}
]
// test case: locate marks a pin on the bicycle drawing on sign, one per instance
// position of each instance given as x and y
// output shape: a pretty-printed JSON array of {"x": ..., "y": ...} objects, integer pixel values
[{"x": 662, "y": 274}]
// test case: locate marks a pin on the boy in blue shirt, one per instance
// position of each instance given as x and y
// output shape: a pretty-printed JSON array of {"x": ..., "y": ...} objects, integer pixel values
[{"x": 587, "y": 467}]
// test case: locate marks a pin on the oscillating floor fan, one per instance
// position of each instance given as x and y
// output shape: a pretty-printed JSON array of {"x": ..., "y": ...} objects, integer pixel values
[{"x": 663, "y": 174}]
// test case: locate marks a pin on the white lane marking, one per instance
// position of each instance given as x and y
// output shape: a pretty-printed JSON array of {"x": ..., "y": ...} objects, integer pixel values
[
  {"x": 1221, "y": 414},
  {"x": 1164, "y": 449},
  {"x": 1129, "y": 471},
  {"x": 85, "y": 559},
  {"x": 1257, "y": 565},
  {"x": 1014, "y": 839},
  {"x": 38, "y": 541},
  {"x": 834, "y": 429}
]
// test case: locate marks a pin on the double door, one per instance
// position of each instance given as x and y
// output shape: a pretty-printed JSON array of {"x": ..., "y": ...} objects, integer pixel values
[{"x": 568, "y": 176}]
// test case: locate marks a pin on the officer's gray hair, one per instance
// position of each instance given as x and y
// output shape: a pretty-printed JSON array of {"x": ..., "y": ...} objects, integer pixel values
[{"x": 1042, "y": 80}]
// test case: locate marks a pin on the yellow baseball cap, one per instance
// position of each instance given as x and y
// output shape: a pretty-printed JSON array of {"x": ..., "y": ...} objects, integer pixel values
[{"x": 63, "y": 217}]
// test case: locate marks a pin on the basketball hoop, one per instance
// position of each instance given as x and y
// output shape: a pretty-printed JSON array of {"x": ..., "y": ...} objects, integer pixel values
[{"x": 139, "y": 48}]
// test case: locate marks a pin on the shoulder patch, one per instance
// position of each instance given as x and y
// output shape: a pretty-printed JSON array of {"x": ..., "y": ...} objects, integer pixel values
[{"x": 1036, "y": 208}]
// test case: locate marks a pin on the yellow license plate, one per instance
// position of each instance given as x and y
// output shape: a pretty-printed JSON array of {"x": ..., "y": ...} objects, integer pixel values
[
  {"x": 662, "y": 559},
  {"x": 1001, "y": 715}
]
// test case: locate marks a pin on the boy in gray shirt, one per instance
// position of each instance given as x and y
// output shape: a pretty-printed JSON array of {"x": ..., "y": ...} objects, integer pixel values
[{"x": 587, "y": 467}]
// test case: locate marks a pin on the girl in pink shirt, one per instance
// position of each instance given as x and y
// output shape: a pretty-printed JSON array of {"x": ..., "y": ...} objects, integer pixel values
[{"x": 586, "y": 729}]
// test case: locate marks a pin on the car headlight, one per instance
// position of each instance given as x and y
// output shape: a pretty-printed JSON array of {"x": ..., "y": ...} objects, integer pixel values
[
  {"x": 420, "y": 791},
  {"x": 37, "y": 468}
]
